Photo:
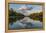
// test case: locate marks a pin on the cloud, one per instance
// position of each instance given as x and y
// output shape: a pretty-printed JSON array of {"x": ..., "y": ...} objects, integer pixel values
[{"x": 24, "y": 10}]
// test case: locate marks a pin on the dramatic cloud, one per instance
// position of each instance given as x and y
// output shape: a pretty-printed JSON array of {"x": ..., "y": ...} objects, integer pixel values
[{"x": 27, "y": 11}]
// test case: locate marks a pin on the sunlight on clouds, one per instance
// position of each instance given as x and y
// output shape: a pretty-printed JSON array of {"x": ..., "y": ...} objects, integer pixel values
[{"x": 35, "y": 9}]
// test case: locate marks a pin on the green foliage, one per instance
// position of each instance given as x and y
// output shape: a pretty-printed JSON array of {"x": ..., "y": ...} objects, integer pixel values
[
  {"x": 14, "y": 16},
  {"x": 37, "y": 16}
]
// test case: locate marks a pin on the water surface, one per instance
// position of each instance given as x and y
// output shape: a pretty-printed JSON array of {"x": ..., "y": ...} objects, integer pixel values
[{"x": 26, "y": 23}]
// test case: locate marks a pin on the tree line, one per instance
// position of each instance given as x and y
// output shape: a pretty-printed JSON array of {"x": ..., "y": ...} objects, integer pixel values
[{"x": 13, "y": 16}]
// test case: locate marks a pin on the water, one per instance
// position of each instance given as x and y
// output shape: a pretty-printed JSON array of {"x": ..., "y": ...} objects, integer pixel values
[{"x": 25, "y": 23}]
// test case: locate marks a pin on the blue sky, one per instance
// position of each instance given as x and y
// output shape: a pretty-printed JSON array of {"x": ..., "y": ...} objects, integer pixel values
[
  {"x": 36, "y": 8},
  {"x": 16, "y": 6}
]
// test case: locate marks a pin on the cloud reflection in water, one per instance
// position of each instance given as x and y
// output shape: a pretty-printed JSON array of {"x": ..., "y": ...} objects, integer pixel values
[{"x": 25, "y": 23}]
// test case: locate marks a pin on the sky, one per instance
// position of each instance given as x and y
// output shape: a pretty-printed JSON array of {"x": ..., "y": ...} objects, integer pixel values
[
  {"x": 36, "y": 8},
  {"x": 16, "y": 6}
]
